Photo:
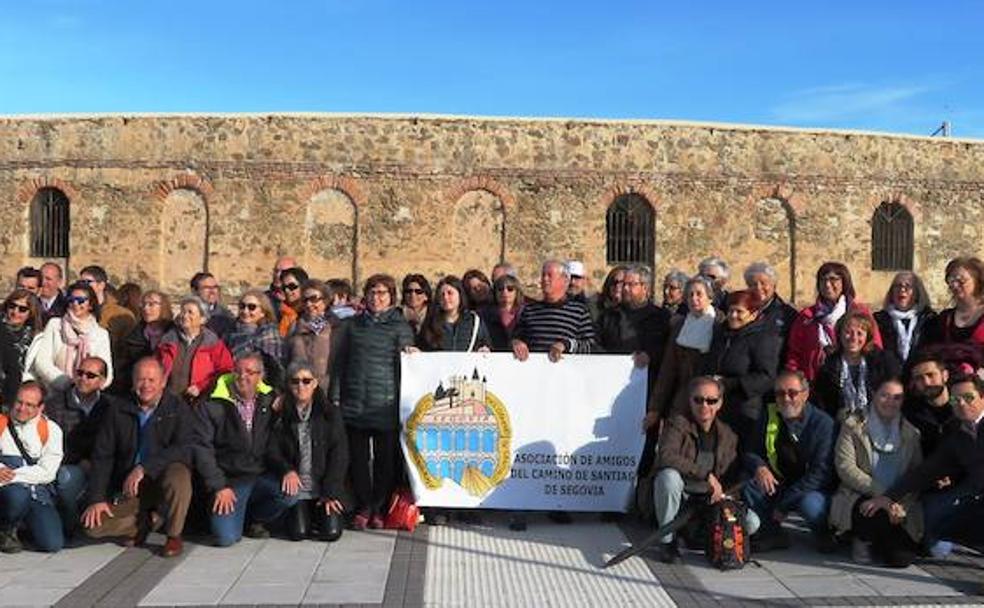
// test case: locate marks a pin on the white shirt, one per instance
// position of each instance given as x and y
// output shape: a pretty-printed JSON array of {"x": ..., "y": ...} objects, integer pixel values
[{"x": 48, "y": 456}]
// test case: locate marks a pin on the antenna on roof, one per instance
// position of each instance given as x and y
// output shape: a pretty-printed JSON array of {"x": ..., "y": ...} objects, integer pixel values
[{"x": 943, "y": 130}]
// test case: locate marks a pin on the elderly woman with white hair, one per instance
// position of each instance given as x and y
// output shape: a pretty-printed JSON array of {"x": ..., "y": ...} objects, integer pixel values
[
  {"x": 193, "y": 356},
  {"x": 761, "y": 278},
  {"x": 673, "y": 284},
  {"x": 905, "y": 315},
  {"x": 717, "y": 271}
]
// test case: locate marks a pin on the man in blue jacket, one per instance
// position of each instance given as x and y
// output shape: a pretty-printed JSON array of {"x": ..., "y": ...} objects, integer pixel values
[{"x": 791, "y": 461}]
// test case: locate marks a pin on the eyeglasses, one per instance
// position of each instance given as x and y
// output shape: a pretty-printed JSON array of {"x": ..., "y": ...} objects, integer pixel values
[
  {"x": 313, "y": 299},
  {"x": 18, "y": 307},
  {"x": 414, "y": 290},
  {"x": 304, "y": 381},
  {"x": 77, "y": 299},
  {"x": 832, "y": 278},
  {"x": 699, "y": 400},
  {"x": 292, "y": 286},
  {"x": 509, "y": 288},
  {"x": 903, "y": 287},
  {"x": 956, "y": 280},
  {"x": 83, "y": 373},
  {"x": 632, "y": 283},
  {"x": 967, "y": 398},
  {"x": 250, "y": 306},
  {"x": 789, "y": 393}
]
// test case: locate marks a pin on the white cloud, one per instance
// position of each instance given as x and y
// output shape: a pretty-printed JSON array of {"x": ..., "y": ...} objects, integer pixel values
[{"x": 844, "y": 101}]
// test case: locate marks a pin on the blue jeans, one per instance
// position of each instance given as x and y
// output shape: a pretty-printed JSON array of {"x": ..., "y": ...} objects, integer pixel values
[
  {"x": 261, "y": 498},
  {"x": 71, "y": 483},
  {"x": 812, "y": 506},
  {"x": 17, "y": 505},
  {"x": 952, "y": 515}
]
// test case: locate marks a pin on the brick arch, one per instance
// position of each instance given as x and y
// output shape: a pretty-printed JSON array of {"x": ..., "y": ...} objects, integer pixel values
[
  {"x": 481, "y": 182},
  {"x": 913, "y": 206},
  {"x": 646, "y": 192},
  {"x": 344, "y": 184},
  {"x": 796, "y": 202},
  {"x": 184, "y": 181},
  {"x": 25, "y": 194}
]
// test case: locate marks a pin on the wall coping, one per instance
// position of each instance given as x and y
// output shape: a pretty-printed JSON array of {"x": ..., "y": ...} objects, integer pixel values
[{"x": 500, "y": 119}]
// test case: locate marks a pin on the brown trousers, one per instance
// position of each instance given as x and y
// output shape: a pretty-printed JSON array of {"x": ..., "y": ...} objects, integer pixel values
[{"x": 171, "y": 490}]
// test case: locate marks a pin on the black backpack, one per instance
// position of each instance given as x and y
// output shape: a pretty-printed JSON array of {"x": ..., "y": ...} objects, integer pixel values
[{"x": 727, "y": 546}]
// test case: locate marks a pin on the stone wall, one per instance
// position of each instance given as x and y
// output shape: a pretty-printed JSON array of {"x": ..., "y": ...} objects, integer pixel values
[{"x": 154, "y": 198}]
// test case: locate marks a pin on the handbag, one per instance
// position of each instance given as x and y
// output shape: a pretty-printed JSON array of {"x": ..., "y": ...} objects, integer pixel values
[{"x": 403, "y": 512}]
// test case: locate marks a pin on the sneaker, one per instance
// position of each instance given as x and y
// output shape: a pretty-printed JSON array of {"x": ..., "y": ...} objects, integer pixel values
[
  {"x": 766, "y": 541},
  {"x": 669, "y": 553},
  {"x": 941, "y": 549},
  {"x": 861, "y": 552},
  {"x": 360, "y": 521},
  {"x": 376, "y": 522},
  {"x": 9, "y": 542},
  {"x": 257, "y": 530},
  {"x": 517, "y": 523}
]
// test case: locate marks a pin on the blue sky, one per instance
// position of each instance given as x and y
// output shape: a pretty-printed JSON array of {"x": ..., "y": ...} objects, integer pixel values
[{"x": 899, "y": 66}]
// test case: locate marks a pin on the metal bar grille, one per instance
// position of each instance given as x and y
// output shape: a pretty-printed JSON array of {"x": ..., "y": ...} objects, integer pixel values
[
  {"x": 892, "y": 238},
  {"x": 630, "y": 231},
  {"x": 49, "y": 224}
]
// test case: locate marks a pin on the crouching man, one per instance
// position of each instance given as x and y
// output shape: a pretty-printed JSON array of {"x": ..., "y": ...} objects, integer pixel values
[
  {"x": 792, "y": 462},
  {"x": 140, "y": 465},
  {"x": 231, "y": 438},
  {"x": 698, "y": 457},
  {"x": 30, "y": 454}
]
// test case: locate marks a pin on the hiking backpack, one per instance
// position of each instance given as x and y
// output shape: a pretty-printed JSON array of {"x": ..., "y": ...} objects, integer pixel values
[{"x": 728, "y": 546}]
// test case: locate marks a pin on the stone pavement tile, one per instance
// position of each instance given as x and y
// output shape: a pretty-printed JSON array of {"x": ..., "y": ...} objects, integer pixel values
[
  {"x": 20, "y": 594},
  {"x": 911, "y": 581},
  {"x": 727, "y": 590},
  {"x": 548, "y": 564},
  {"x": 353, "y": 570},
  {"x": 343, "y": 592},
  {"x": 186, "y": 595},
  {"x": 826, "y": 586},
  {"x": 254, "y": 593}
]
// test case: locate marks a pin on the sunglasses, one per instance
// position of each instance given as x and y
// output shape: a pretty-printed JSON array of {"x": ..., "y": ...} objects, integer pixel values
[
  {"x": 77, "y": 299},
  {"x": 789, "y": 393},
  {"x": 313, "y": 299},
  {"x": 250, "y": 306},
  {"x": 304, "y": 381},
  {"x": 509, "y": 288},
  {"x": 81, "y": 373},
  {"x": 967, "y": 398},
  {"x": 417, "y": 291},
  {"x": 291, "y": 286},
  {"x": 18, "y": 307},
  {"x": 698, "y": 400}
]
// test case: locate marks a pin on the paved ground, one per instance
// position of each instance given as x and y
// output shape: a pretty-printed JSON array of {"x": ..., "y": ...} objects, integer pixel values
[{"x": 474, "y": 566}]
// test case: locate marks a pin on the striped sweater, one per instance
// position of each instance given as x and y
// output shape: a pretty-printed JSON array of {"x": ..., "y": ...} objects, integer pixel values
[{"x": 541, "y": 324}]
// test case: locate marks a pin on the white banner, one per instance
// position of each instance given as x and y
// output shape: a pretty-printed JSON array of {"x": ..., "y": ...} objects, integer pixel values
[{"x": 486, "y": 430}]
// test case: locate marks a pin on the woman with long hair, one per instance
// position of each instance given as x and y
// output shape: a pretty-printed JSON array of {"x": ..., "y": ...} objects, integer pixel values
[
  {"x": 256, "y": 331},
  {"x": 451, "y": 324},
  {"x": 415, "y": 294},
  {"x": 905, "y": 315},
  {"x": 501, "y": 316},
  {"x": 154, "y": 320}
]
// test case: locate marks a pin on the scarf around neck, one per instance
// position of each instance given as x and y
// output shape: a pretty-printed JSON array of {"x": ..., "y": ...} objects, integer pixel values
[
  {"x": 854, "y": 396},
  {"x": 827, "y": 317},
  {"x": 697, "y": 330},
  {"x": 904, "y": 331},
  {"x": 75, "y": 335},
  {"x": 885, "y": 435}
]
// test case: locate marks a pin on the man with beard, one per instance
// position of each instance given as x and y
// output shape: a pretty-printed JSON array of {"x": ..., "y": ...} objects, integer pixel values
[{"x": 928, "y": 404}]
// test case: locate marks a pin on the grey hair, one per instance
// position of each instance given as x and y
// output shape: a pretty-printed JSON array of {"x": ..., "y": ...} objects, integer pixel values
[
  {"x": 642, "y": 271},
  {"x": 918, "y": 290},
  {"x": 676, "y": 276},
  {"x": 300, "y": 365},
  {"x": 794, "y": 373},
  {"x": 760, "y": 268},
  {"x": 558, "y": 264},
  {"x": 698, "y": 280},
  {"x": 707, "y": 263},
  {"x": 200, "y": 303}
]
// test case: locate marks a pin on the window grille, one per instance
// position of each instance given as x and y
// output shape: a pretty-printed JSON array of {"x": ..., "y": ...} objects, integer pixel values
[
  {"x": 49, "y": 224},
  {"x": 631, "y": 231},
  {"x": 891, "y": 238}
]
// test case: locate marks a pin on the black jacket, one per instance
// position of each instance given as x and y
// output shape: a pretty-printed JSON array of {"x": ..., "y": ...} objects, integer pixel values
[
  {"x": 116, "y": 445},
  {"x": 747, "y": 360},
  {"x": 960, "y": 456},
  {"x": 827, "y": 385},
  {"x": 10, "y": 365},
  {"x": 456, "y": 337},
  {"x": 329, "y": 446},
  {"x": 225, "y": 452},
  {"x": 624, "y": 329},
  {"x": 366, "y": 378},
  {"x": 890, "y": 337},
  {"x": 780, "y": 316},
  {"x": 500, "y": 337},
  {"x": 79, "y": 430},
  {"x": 933, "y": 422},
  {"x": 131, "y": 349}
]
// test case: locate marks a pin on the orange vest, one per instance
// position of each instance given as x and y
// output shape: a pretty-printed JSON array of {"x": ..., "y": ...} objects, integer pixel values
[{"x": 42, "y": 427}]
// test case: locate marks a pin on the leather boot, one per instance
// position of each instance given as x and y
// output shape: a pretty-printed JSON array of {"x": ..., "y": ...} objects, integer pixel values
[
  {"x": 331, "y": 527},
  {"x": 299, "y": 521}
]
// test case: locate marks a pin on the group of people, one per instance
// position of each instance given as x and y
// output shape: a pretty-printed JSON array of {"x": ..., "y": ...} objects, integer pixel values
[{"x": 124, "y": 415}]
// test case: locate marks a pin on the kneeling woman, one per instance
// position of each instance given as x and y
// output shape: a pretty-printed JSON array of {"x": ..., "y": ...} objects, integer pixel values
[
  {"x": 873, "y": 451},
  {"x": 309, "y": 451}
]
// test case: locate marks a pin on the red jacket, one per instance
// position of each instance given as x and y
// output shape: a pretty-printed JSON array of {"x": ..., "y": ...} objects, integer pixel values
[
  {"x": 803, "y": 350},
  {"x": 210, "y": 360}
]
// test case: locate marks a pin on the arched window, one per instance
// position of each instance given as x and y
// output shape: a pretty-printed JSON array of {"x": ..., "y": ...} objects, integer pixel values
[
  {"x": 49, "y": 224},
  {"x": 891, "y": 237},
  {"x": 631, "y": 231}
]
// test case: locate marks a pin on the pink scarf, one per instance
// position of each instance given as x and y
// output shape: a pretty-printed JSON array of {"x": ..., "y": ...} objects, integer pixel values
[{"x": 75, "y": 336}]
